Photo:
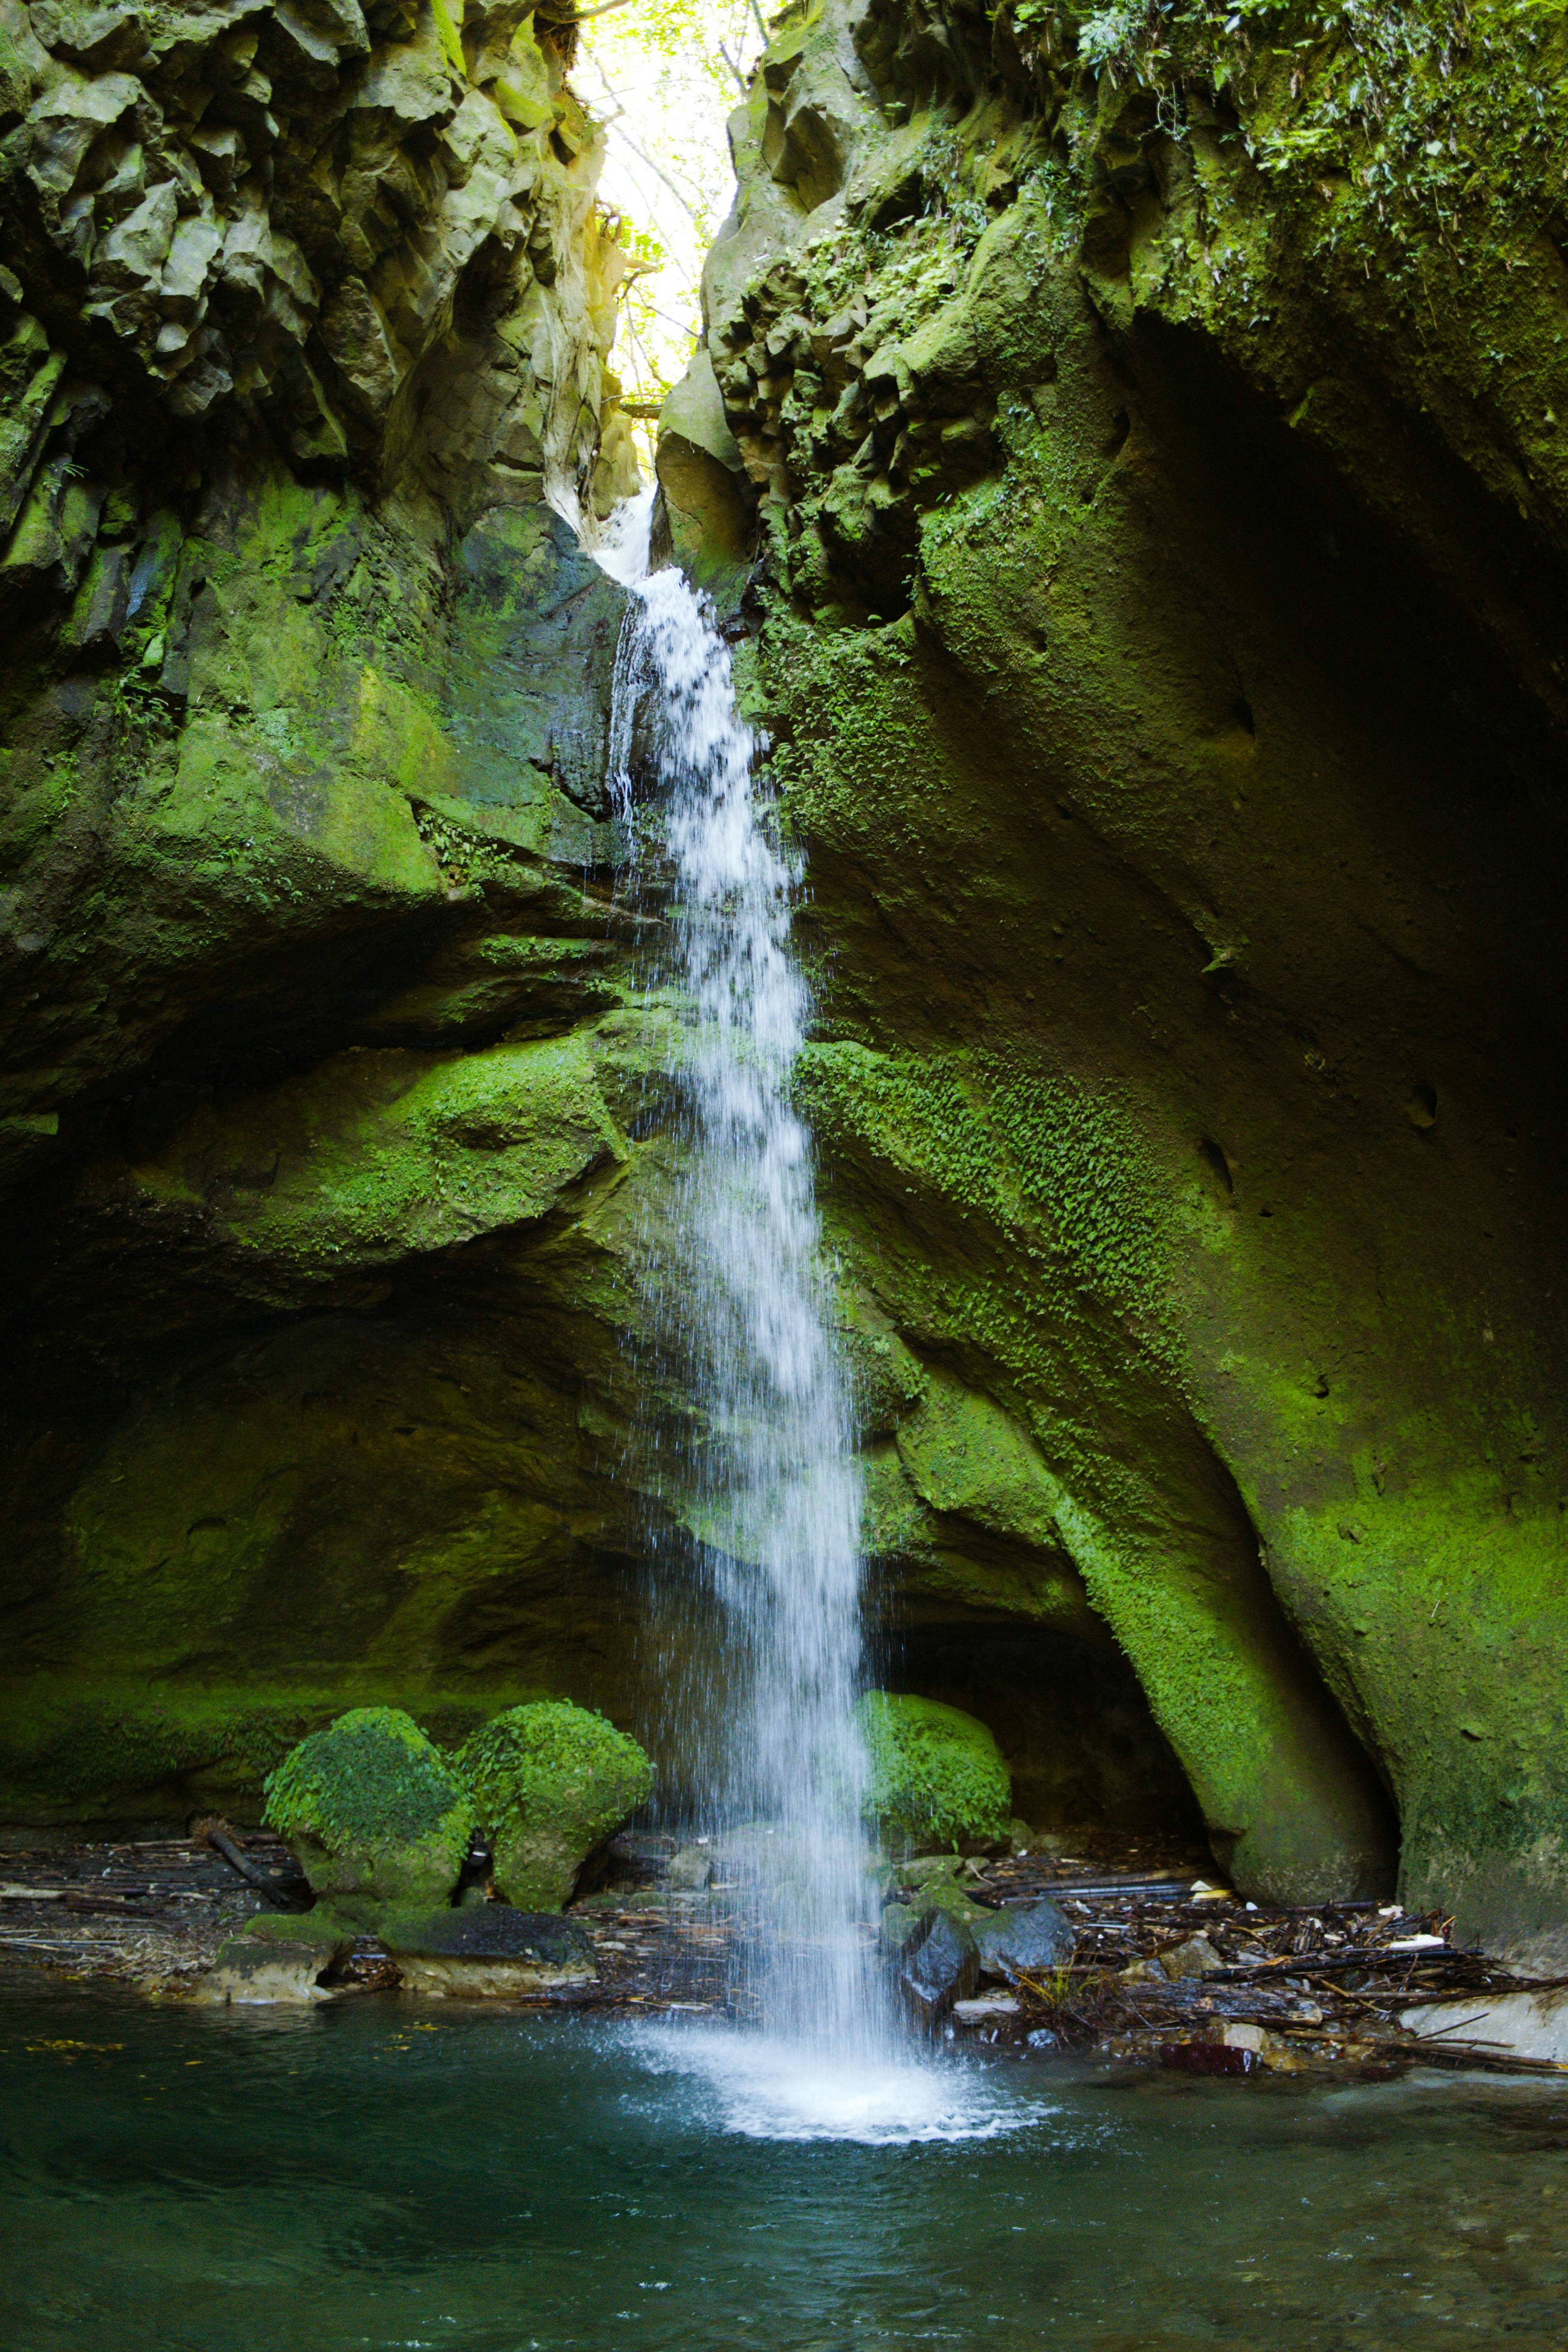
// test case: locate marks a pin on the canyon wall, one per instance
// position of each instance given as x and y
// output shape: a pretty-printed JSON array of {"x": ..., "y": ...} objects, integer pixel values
[
  {"x": 1148, "y": 423},
  {"x": 336, "y": 1123},
  {"x": 304, "y": 930},
  {"x": 1126, "y": 453}
]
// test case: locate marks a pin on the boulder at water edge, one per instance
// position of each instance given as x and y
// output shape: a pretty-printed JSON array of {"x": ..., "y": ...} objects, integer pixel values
[
  {"x": 1023, "y": 1942},
  {"x": 550, "y": 1783},
  {"x": 944, "y": 1966},
  {"x": 487, "y": 1950},
  {"x": 937, "y": 1776},
  {"x": 371, "y": 1809}
]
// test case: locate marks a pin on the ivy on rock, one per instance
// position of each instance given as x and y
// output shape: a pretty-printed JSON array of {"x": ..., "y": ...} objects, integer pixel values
[
  {"x": 937, "y": 1776},
  {"x": 550, "y": 1783},
  {"x": 371, "y": 1807}
]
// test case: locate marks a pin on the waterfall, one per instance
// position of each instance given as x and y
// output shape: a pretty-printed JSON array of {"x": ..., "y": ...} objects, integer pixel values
[{"x": 740, "y": 1294}]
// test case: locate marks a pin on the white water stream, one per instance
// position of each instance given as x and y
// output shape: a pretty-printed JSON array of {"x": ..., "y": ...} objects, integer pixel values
[{"x": 742, "y": 1296}]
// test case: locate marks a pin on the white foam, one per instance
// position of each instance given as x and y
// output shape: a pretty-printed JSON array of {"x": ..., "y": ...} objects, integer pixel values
[
  {"x": 766, "y": 2087},
  {"x": 619, "y": 545}
]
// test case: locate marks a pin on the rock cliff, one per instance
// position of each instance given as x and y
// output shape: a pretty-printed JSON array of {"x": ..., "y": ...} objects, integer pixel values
[
  {"x": 1149, "y": 418},
  {"x": 303, "y": 931},
  {"x": 1134, "y": 439}
]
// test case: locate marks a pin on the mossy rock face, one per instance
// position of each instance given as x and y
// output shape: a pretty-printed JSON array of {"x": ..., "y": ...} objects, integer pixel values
[
  {"x": 937, "y": 1776},
  {"x": 1142, "y": 689},
  {"x": 550, "y": 1782},
  {"x": 372, "y": 1809}
]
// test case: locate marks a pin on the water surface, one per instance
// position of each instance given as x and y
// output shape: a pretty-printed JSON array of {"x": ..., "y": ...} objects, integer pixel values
[{"x": 377, "y": 2175}]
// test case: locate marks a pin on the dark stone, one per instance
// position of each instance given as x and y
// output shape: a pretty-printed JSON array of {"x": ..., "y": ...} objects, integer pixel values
[
  {"x": 1022, "y": 1943},
  {"x": 490, "y": 1931},
  {"x": 1207, "y": 2058},
  {"x": 944, "y": 1966},
  {"x": 901, "y": 1929}
]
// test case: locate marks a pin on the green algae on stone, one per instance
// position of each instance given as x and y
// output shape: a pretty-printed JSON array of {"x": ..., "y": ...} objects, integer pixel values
[
  {"x": 372, "y": 1809},
  {"x": 937, "y": 1775},
  {"x": 550, "y": 1783}
]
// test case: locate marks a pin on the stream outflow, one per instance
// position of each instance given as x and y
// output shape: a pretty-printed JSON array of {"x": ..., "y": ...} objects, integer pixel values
[{"x": 742, "y": 1298}]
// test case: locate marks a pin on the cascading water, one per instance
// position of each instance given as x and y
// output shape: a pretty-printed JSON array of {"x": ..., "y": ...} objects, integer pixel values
[
  {"x": 741, "y": 1295},
  {"x": 741, "y": 1305}
]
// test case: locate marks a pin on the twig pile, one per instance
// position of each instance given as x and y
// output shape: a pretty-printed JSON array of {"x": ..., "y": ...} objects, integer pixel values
[{"x": 1323, "y": 1985}]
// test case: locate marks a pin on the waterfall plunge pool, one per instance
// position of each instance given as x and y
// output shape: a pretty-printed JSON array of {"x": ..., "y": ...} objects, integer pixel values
[{"x": 374, "y": 2174}]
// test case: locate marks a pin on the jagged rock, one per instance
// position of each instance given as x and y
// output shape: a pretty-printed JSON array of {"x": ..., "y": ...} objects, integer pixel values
[
  {"x": 270, "y": 1971},
  {"x": 304, "y": 720},
  {"x": 355, "y": 335},
  {"x": 1154, "y": 589},
  {"x": 702, "y": 475},
  {"x": 1026, "y": 1940},
  {"x": 1028, "y": 476},
  {"x": 941, "y": 1968},
  {"x": 1195, "y": 1958}
]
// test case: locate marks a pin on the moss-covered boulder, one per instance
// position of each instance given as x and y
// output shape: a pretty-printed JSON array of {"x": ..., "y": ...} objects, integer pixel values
[
  {"x": 372, "y": 1809},
  {"x": 936, "y": 1775},
  {"x": 550, "y": 1782}
]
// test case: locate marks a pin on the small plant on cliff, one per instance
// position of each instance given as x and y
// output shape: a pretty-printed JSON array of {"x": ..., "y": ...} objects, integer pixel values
[
  {"x": 937, "y": 1776},
  {"x": 550, "y": 1782},
  {"x": 371, "y": 1807}
]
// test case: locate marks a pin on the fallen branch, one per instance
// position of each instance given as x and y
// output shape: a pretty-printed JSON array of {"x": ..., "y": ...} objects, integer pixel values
[
  {"x": 1307, "y": 1964},
  {"x": 261, "y": 1880},
  {"x": 1494, "y": 2059}
]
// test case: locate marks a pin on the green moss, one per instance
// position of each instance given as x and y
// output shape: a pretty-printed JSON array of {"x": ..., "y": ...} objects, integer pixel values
[
  {"x": 550, "y": 1782},
  {"x": 371, "y": 1808},
  {"x": 937, "y": 1775},
  {"x": 1036, "y": 1153}
]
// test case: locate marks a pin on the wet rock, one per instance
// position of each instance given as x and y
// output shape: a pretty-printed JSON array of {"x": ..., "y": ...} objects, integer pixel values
[
  {"x": 944, "y": 1892},
  {"x": 270, "y": 1971},
  {"x": 928, "y": 1868},
  {"x": 986, "y": 2009},
  {"x": 1270, "y": 2048},
  {"x": 241, "y": 216},
  {"x": 708, "y": 498},
  {"x": 1239, "y": 2049},
  {"x": 1195, "y": 1957},
  {"x": 691, "y": 1870},
  {"x": 1207, "y": 2058},
  {"x": 942, "y": 1967},
  {"x": 488, "y": 1951},
  {"x": 901, "y": 1929},
  {"x": 1015, "y": 1943}
]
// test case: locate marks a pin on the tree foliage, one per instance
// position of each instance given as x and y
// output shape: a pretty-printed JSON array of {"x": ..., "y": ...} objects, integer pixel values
[{"x": 663, "y": 74}]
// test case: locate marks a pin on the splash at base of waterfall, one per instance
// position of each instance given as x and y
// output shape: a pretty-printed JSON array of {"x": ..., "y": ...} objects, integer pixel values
[
  {"x": 766, "y": 2086},
  {"x": 737, "y": 1313}
]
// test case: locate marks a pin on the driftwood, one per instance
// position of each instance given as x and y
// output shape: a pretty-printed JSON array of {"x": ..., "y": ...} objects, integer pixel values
[
  {"x": 1146, "y": 1890},
  {"x": 264, "y": 1882}
]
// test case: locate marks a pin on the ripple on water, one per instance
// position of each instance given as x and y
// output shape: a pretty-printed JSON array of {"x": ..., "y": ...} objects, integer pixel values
[{"x": 768, "y": 2087}]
